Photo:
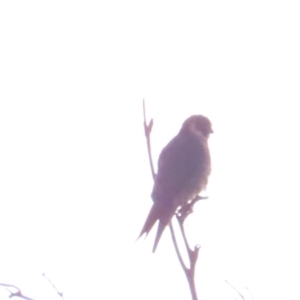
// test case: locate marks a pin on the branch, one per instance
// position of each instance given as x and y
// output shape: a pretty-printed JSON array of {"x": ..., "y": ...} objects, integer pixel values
[
  {"x": 185, "y": 269},
  {"x": 17, "y": 293},
  {"x": 240, "y": 294},
  {"x": 60, "y": 294},
  {"x": 181, "y": 215},
  {"x": 148, "y": 129}
]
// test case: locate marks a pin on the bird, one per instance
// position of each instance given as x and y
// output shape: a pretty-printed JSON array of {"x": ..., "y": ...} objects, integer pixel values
[{"x": 184, "y": 166}]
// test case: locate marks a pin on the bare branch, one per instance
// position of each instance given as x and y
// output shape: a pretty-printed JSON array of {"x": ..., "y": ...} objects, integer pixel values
[
  {"x": 181, "y": 215},
  {"x": 185, "y": 269},
  {"x": 60, "y": 294},
  {"x": 148, "y": 129},
  {"x": 240, "y": 294},
  {"x": 17, "y": 293}
]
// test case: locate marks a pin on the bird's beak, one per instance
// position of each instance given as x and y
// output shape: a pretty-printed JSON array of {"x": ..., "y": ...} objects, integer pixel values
[{"x": 211, "y": 131}]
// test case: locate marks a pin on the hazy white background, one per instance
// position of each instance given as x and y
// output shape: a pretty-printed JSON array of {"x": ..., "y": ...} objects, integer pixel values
[{"x": 74, "y": 177}]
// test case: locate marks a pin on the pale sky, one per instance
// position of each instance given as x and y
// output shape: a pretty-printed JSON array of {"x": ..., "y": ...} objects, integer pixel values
[{"x": 75, "y": 181}]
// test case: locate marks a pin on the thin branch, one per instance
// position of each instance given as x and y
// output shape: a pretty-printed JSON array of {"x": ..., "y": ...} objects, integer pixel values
[
  {"x": 185, "y": 269},
  {"x": 17, "y": 293},
  {"x": 181, "y": 215},
  {"x": 240, "y": 294},
  {"x": 193, "y": 257},
  {"x": 60, "y": 294},
  {"x": 148, "y": 129}
]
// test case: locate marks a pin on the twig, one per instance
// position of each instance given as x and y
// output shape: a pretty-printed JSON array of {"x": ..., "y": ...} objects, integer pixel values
[
  {"x": 240, "y": 294},
  {"x": 148, "y": 129},
  {"x": 185, "y": 269},
  {"x": 181, "y": 215},
  {"x": 54, "y": 287},
  {"x": 18, "y": 293},
  {"x": 193, "y": 256}
]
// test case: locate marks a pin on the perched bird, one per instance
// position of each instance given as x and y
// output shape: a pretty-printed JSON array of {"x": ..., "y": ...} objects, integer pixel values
[{"x": 183, "y": 170}]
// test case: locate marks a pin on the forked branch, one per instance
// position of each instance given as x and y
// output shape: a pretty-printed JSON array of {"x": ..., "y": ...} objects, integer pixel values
[
  {"x": 14, "y": 291},
  {"x": 181, "y": 215}
]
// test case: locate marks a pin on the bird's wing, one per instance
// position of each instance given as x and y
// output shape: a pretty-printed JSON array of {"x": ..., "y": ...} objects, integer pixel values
[{"x": 181, "y": 161}]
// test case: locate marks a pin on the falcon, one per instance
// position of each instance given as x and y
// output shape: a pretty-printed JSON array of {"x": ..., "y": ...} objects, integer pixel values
[{"x": 183, "y": 170}]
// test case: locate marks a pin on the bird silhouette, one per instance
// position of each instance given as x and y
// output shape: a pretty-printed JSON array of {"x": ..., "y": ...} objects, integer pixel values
[{"x": 183, "y": 170}]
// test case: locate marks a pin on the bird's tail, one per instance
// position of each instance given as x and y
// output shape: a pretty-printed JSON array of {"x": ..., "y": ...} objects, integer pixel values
[
  {"x": 153, "y": 216},
  {"x": 160, "y": 230},
  {"x": 157, "y": 213}
]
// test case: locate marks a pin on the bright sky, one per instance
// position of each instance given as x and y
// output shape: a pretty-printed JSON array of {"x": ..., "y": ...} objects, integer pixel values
[{"x": 75, "y": 181}]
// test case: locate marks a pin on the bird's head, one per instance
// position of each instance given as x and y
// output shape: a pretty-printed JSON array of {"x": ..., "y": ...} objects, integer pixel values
[{"x": 198, "y": 123}]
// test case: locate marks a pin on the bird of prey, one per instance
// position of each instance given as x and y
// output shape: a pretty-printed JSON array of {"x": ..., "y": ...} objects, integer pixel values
[{"x": 183, "y": 170}]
